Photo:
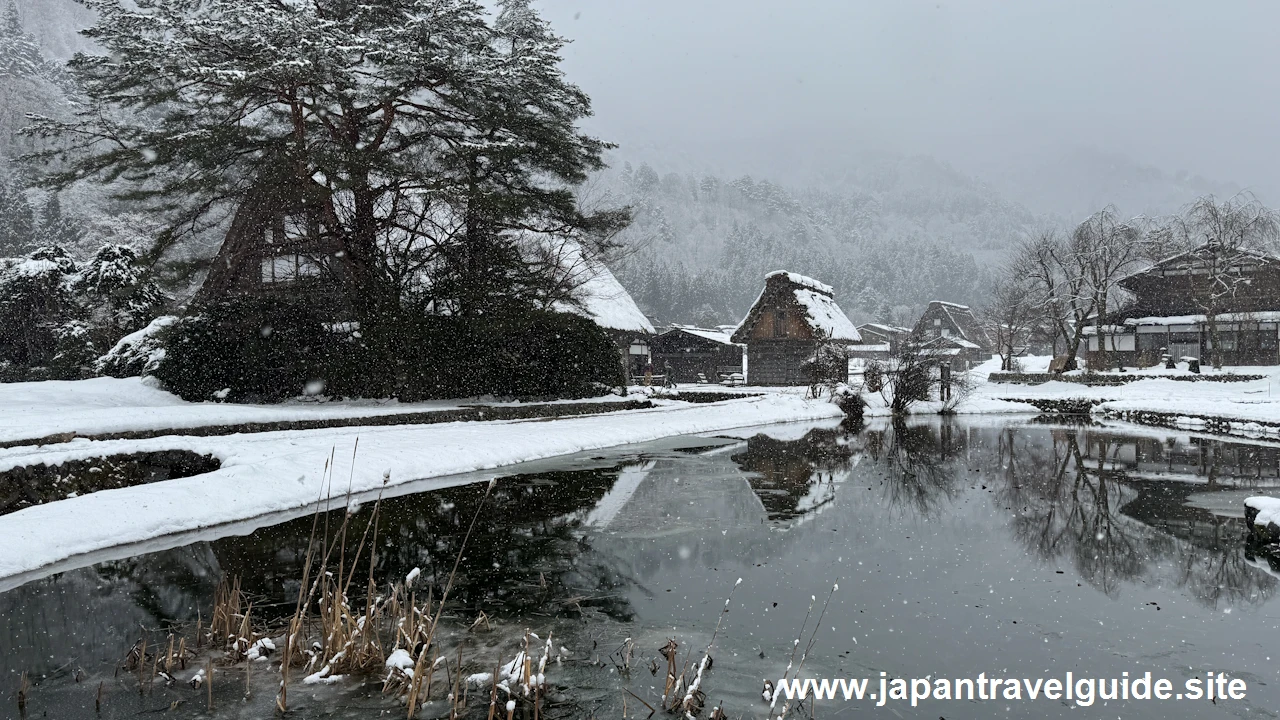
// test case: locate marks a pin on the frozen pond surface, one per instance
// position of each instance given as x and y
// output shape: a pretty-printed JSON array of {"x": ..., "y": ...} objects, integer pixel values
[{"x": 959, "y": 548}]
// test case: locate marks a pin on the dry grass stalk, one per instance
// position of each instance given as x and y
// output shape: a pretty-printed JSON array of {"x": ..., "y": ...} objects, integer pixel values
[
  {"x": 444, "y": 596},
  {"x": 786, "y": 707},
  {"x": 24, "y": 686},
  {"x": 693, "y": 697}
]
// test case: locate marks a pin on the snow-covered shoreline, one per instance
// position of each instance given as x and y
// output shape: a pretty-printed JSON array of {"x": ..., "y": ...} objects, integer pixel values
[
  {"x": 99, "y": 406},
  {"x": 264, "y": 473}
]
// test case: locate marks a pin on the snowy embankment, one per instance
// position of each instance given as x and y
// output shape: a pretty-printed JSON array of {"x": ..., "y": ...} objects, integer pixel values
[
  {"x": 270, "y": 472},
  {"x": 105, "y": 405},
  {"x": 1237, "y": 407}
]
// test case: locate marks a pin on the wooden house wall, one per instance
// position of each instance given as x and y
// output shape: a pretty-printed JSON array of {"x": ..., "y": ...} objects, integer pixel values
[
  {"x": 690, "y": 355},
  {"x": 778, "y": 362},
  {"x": 773, "y": 301}
]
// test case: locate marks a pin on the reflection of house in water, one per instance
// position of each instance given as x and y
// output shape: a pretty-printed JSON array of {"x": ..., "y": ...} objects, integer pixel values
[
  {"x": 795, "y": 477},
  {"x": 1188, "y": 458}
]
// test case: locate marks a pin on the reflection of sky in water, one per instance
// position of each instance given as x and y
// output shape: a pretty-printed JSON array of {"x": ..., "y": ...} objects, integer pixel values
[{"x": 958, "y": 548}]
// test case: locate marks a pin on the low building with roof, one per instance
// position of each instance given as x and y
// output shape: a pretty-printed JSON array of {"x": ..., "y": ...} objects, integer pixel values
[
  {"x": 879, "y": 341},
  {"x": 697, "y": 354},
  {"x": 793, "y": 316},
  {"x": 1180, "y": 303}
]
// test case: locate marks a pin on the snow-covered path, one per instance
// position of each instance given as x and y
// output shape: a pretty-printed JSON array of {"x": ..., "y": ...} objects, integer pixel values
[
  {"x": 110, "y": 405},
  {"x": 270, "y": 472}
]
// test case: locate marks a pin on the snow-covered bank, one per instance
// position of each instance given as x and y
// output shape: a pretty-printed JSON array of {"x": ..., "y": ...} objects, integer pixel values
[
  {"x": 271, "y": 472},
  {"x": 106, "y": 405},
  {"x": 1238, "y": 403}
]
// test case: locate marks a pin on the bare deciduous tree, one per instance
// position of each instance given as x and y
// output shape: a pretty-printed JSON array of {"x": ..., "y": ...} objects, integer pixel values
[
  {"x": 1058, "y": 276},
  {"x": 1012, "y": 313},
  {"x": 1109, "y": 249}
]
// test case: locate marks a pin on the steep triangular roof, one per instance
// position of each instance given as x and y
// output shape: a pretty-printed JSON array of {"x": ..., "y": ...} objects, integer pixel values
[
  {"x": 816, "y": 298},
  {"x": 962, "y": 317}
]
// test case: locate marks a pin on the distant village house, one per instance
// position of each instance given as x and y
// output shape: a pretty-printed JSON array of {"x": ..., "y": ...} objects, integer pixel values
[
  {"x": 950, "y": 331},
  {"x": 792, "y": 318},
  {"x": 879, "y": 342},
  {"x": 1177, "y": 301}
]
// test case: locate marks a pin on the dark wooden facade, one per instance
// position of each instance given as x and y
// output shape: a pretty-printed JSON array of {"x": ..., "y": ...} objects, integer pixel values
[
  {"x": 956, "y": 325},
  {"x": 691, "y": 352},
  {"x": 785, "y": 327},
  {"x": 1176, "y": 301},
  {"x": 279, "y": 242}
]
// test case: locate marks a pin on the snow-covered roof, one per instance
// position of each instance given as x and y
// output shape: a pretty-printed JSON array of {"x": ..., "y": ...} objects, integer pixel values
[
  {"x": 799, "y": 279},
  {"x": 886, "y": 329},
  {"x": 1263, "y": 316},
  {"x": 953, "y": 341},
  {"x": 870, "y": 348},
  {"x": 717, "y": 335},
  {"x": 823, "y": 314},
  {"x": 821, "y": 311},
  {"x": 603, "y": 298},
  {"x": 1198, "y": 252},
  {"x": 944, "y": 303}
]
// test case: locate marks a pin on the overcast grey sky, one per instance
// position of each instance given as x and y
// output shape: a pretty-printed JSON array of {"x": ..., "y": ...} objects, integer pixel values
[{"x": 1180, "y": 84}]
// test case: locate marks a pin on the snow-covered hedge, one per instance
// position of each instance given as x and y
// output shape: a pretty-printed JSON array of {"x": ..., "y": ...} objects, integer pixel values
[{"x": 138, "y": 353}]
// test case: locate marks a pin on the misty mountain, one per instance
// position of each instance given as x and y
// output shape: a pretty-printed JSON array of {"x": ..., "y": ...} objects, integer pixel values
[
  {"x": 890, "y": 233},
  {"x": 1077, "y": 182}
]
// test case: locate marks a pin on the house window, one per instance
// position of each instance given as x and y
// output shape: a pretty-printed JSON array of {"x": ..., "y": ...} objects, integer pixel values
[
  {"x": 946, "y": 332},
  {"x": 779, "y": 323},
  {"x": 937, "y": 322},
  {"x": 288, "y": 268}
]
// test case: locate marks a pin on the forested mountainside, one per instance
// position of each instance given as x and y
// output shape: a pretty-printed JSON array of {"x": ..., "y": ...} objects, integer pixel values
[
  {"x": 1078, "y": 182},
  {"x": 54, "y": 25},
  {"x": 890, "y": 234}
]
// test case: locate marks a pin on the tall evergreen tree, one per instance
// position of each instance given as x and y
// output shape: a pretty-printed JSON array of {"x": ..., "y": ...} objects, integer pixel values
[
  {"x": 19, "y": 52},
  {"x": 17, "y": 221},
  {"x": 55, "y": 228},
  {"x": 417, "y": 120}
]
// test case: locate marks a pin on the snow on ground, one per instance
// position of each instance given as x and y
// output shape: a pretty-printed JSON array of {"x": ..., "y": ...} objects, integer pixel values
[
  {"x": 1268, "y": 510},
  {"x": 271, "y": 472},
  {"x": 1257, "y": 400},
  {"x": 35, "y": 410}
]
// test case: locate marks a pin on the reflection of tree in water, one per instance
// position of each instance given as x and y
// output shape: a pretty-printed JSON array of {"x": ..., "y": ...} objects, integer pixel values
[
  {"x": 523, "y": 555},
  {"x": 1081, "y": 503},
  {"x": 794, "y": 477},
  {"x": 919, "y": 460},
  {"x": 97, "y": 613}
]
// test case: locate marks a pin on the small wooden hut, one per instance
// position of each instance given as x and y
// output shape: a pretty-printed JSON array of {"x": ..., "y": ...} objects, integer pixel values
[
  {"x": 693, "y": 351},
  {"x": 786, "y": 325}
]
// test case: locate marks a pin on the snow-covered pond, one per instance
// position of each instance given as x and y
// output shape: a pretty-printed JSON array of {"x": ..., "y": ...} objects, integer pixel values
[{"x": 959, "y": 548}]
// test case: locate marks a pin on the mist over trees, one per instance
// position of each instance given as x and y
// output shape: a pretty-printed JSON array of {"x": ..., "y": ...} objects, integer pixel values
[{"x": 892, "y": 235}]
